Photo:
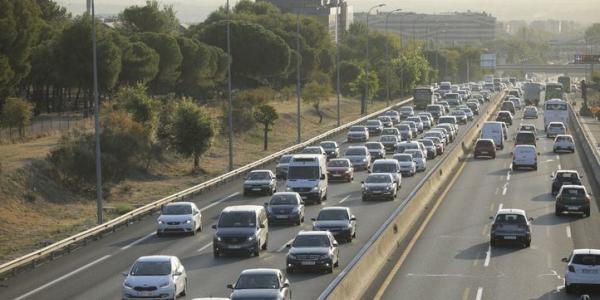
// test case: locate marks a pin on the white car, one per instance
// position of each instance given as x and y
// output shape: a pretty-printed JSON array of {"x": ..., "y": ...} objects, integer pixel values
[
  {"x": 184, "y": 217},
  {"x": 563, "y": 142},
  {"x": 419, "y": 159},
  {"x": 417, "y": 121},
  {"x": 407, "y": 166},
  {"x": 524, "y": 156},
  {"x": 155, "y": 277},
  {"x": 583, "y": 269},
  {"x": 555, "y": 128},
  {"x": 530, "y": 112}
]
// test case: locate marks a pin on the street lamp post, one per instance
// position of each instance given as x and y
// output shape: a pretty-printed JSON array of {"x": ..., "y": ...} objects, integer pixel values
[
  {"x": 337, "y": 61},
  {"x": 230, "y": 109},
  {"x": 298, "y": 58},
  {"x": 387, "y": 56},
  {"x": 99, "y": 204},
  {"x": 363, "y": 108}
]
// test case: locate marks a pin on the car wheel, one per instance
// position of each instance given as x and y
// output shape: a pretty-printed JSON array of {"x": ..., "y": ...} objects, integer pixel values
[
  {"x": 256, "y": 252},
  {"x": 535, "y": 167},
  {"x": 569, "y": 289},
  {"x": 184, "y": 292},
  {"x": 492, "y": 243},
  {"x": 245, "y": 193},
  {"x": 557, "y": 212},
  {"x": 264, "y": 246},
  {"x": 200, "y": 228},
  {"x": 159, "y": 234},
  {"x": 330, "y": 269},
  {"x": 216, "y": 253},
  {"x": 337, "y": 263},
  {"x": 527, "y": 244},
  {"x": 587, "y": 212},
  {"x": 193, "y": 233}
]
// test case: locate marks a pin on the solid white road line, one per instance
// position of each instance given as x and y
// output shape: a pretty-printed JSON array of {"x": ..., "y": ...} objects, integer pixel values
[
  {"x": 219, "y": 201},
  {"x": 488, "y": 256},
  {"x": 559, "y": 167},
  {"x": 568, "y": 231},
  {"x": 504, "y": 189},
  {"x": 508, "y": 176},
  {"x": 344, "y": 199},
  {"x": 205, "y": 247},
  {"x": 62, "y": 277},
  {"x": 149, "y": 235},
  {"x": 500, "y": 206},
  {"x": 280, "y": 249},
  {"x": 479, "y": 293}
]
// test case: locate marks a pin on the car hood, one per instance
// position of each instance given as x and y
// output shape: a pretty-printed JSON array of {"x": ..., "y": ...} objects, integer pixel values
[
  {"x": 174, "y": 218},
  {"x": 311, "y": 250},
  {"x": 331, "y": 223},
  {"x": 276, "y": 208},
  {"x": 235, "y": 231},
  {"x": 374, "y": 185},
  {"x": 147, "y": 280},
  {"x": 257, "y": 182},
  {"x": 255, "y": 294},
  {"x": 406, "y": 163}
]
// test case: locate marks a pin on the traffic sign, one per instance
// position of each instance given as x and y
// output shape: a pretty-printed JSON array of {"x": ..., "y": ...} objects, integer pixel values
[{"x": 586, "y": 58}]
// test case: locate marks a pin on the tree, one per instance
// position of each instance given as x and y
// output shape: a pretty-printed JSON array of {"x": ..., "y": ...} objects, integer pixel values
[
  {"x": 266, "y": 115},
  {"x": 317, "y": 91},
  {"x": 203, "y": 66},
  {"x": 17, "y": 114},
  {"x": 358, "y": 87},
  {"x": 140, "y": 64},
  {"x": 349, "y": 71},
  {"x": 592, "y": 34},
  {"x": 169, "y": 66},
  {"x": 143, "y": 108},
  {"x": 244, "y": 103},
  {"x": 193, "y": 131},
  {"x": 149, "y": 18}
]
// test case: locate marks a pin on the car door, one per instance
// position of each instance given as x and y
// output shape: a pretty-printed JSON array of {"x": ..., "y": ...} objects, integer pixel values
[
  {"x": 263, "y": 232},
  {"x": 177, "y": 268},
  {"x": 197, "y": 216}
]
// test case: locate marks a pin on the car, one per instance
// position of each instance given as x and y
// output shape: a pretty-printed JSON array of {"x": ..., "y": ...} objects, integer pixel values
[
  {"x": 448, "y": 120},
  {"x": 386, "y": 121},
  {"x": 358, "y": 133},
  {"x": 525, "y": 138},
  {"x": 374, "y": 126},
  {"x": 451, "y": 131},
  {"x": 524, "y": 156},
  {"x": 390, "y": 166},
  {"x": 391, "y": 131},
  {"x": 474, "y": 106},
  {"x": 583, "y": 269},
  {"x": 417, "y": 121},
  {"x": 485, "y": 148},
  {"x": 530, "y": 112},
  {"x": 452, "y": 98},
  {"x": 427, "y": 121},
  {"x": 265, "y": 283},
  {"x": 555, "y": 128},
  {"x": 439, "y": 134},
  {"x": 468, "y": 112},
  {"x": 156, "y": 277},
  {"x": 413, "y": 127},
  {"x": 379, "y": 186},
  {"x": 572, "y": 198},
  {"x": 419, "y": 158},
  {"x": 182, "y": 217},
  {"x": 376, "y": 149},
  {"x": 405, "y": 112},
  {"x": 528, "y": 127},
  {"x": 338, "y": 220},
  {"x": 314, "y": 150},
  {"x": 313, "y": 250},
  {"x": 407, "y": 166},
  {"x": 563, "y": 142},
  {"x": 389, "y": 141},
  {"x": 516, "y": 101},
  {"x": 438, "y": 143},
  {"x": 392, "y": 114},
  {"x": 340, "y": 169},
  {"x": 285, "y": 207},
  {"x": 511, "y": 225},
  {"x": 332, "y": 149},
  {"x": 241, "y": 229},
  {"x": 281, "y": 168},
  {"x": 479, "y": 98},
  {"x": 405, "y": 132},
  {"x": 260, "y": 182},
  {"x": 436, "y": 110},
  {"x": 563, "y": 176},
  {"x": 505, "y": 116},
  {"x": 430, "y": 147},
  {"x": 446, "y": 106},
  {"x": 461, "y": 116},
  {"x": 359, "y": 156}
]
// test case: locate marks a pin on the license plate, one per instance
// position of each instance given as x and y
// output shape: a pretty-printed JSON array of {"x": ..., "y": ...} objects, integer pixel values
[
  {"x": 146, "y": 294},
  {"x": 510, "y": 237},
  {"x": 484, "y": 152},
  {"x": 308, "y": 263},
  {"x": 572, "y": 207},
  {"x": 336, "y": 175},
  {"x": 588, "y": 271},
  {"x": 256, "y": 189},
  {"x": 376, "y": 192},
  {"x": 234, "y": 246},
  {"x": 281, "y": 217}
]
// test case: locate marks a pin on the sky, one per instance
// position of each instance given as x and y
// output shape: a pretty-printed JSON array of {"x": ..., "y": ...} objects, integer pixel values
[{"x": 583, "y": 11}]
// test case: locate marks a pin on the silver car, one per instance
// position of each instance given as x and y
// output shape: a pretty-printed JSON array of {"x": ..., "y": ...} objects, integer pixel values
[
  {"x": 260, "y": 182},
  {"x": 338, "y": 220},
  {"x": 407, "y": 165},
  {"x": 511, "y": 225},
  {"x": 282, "y": 166},
  {"x": 379, "y": 186},
  {"x": 359, "y": 156},
  {"x": 376, "y": 149},
  {"x": 390, "y": 166},
  {"x": 358, "y": 133},
  {"x": 155, "y": 277},
  {"x": 180, "y": 217},
  {"x": 419, "y": 158}
]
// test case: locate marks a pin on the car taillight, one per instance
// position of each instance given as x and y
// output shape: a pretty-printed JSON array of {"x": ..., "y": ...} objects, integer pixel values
[{"x": 571, "y": 269}]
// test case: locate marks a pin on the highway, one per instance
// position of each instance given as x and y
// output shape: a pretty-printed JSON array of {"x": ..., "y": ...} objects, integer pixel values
[
  {"x": 452, "y": 253},
  {"x": 95, "y": 271}
]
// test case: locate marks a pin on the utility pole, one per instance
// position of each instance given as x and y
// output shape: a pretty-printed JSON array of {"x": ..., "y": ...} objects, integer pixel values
[
  {"x": 230, "y": 110},
  {"x": 363, "y": 107},
  {"x": 298, "y": 92},
  {"x": 337, "y": 61},
  {"x": 468, "y": 69},
  {"x": 387, "y": 57},
  {"x": 99, "y": 200}
]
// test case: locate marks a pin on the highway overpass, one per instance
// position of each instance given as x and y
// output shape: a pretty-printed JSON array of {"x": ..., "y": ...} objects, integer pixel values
[{"x": 570, "y": 69}]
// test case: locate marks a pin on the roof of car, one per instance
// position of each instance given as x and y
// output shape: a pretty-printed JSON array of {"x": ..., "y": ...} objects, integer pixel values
[
  {"x": 511, "y": 211},
  {"x": 242, "y": 208},
  {"x": 339, "y": 159},
  {"x": 385, "y": 161},
  {"x": 566, "y": 171},
  {"x": 586, "y": 251},
  {"x": 564, "y": 135},
  {"x": 573, "y": 186},
  {"x": 180, "y": 203},
  {"x": 379, "y": 174},
  {"x": 286, "y": 193},
  {"x": 260, "y": 271},
  {"x": 313, "y": 232},
  {"x": 525, "y": 146},
  {"x": 485, "y": 140},
  {"x": 335, "y": 208},
  {"x": 260, "y": 171},
  {"x": 155, "y": 258}
]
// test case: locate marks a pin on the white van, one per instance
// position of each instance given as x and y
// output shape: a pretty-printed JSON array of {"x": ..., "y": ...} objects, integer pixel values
[
  {"x": 307, "y": 176},
  {"x": 493, "y": 130},
  {"x": 524, "y": 156}
]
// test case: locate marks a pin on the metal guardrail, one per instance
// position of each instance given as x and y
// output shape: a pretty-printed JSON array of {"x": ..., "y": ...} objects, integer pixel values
[{"x": 71, "y": 242}]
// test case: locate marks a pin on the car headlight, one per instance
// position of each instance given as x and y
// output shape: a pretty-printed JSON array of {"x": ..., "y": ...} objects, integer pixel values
[
  {"x": 251, "y": 238},
  {"x": 296, "y": 209},
  {"x": 387, "y": 188},
  {"x": 127, "y": 285},
  {"x": 366, "y": 188},
  {"x": 364, "y": 159},
  {"x": 160, "y": 222},
  {"x": 349, "y": 225},
  {"x": 316, "y": 188},
  {"x": 164, "y": 284},
  {"x": 219, "y": 238},
  {"x": 188, "y": 221},
  {"x": 288, "y": 188}
]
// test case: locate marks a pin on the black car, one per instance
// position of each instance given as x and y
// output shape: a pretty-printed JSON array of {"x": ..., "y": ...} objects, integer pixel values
[
  {"x": 572, "y": 198},
  {"x": 505, "y": 116},
  {"x": 285, "y": 207},
  {"x": 562, "y": 177},
  {"x": 331, "y": 148},
  {"x": 338, "y": 220},
  {"x": 316, "y": 250}
]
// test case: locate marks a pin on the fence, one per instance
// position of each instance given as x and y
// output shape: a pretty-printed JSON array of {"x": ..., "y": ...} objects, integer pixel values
[{"x": 44, "y": 125}]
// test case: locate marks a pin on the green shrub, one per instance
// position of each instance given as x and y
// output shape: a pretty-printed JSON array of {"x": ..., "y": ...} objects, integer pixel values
[
  {"x": 123, "y": 208},
  {"x": 17, "y": 113}
]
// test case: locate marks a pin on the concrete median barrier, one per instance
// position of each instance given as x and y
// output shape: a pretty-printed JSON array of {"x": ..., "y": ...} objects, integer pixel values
[{"x": 589, "y": 152}]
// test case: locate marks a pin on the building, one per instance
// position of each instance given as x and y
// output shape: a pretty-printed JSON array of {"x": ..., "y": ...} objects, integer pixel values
[
  {"x": 326, "y": 11},
  {"x": 469, "y": 28}
]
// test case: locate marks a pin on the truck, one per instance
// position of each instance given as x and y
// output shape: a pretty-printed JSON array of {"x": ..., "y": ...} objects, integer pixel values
[
  {"x": 554, "y": 90},
  {"x": 423, "y": 96},
  {"x": 532, "y": 93},
  {"x": 566, "y": 83},
  {"x": 307, "y": 176}
]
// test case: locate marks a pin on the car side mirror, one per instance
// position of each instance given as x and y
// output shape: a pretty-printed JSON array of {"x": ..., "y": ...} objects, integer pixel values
[
  {"x": 230, "y": 286},
  {"x": 322, "y": 176},
  {"x": 335, "y": 243},
  {"x": 214, "y": 226},
  {"x": 125, "y": 274},
  {"x": 353, "y": 218},
  {"x": 581, "y": 177},
  {"x": 261, "y": 226},
  {"x": 530, "y": 219},
  {"x": 302, "y": 202},
  {"x": 288, "y": 245},
  {"x": 512, "y": 153},
  {"x": 538, "y": 154},
  {"x": 286, "y": 285},
  {"x": 177, "y": 274},
  {"x": 565, "y": 259},
  {"x": 491, "y": 217},
  {"x": 362, "y": 182},
  {"x": 266, "y": 204},
  {"x": 369, "y": 171},
  {"x": 313, "y": 219}
]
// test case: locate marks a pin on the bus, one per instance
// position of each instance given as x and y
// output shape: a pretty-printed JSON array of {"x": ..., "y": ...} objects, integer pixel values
[
  {"x": 556, "y": 110},
  {"x": 423, "y": 96},
  {"x": 554, "y": 90},
  {"x": 566, "y": 83}
]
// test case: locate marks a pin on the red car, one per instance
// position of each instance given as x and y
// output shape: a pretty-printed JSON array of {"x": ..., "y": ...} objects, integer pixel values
[
  {"x": 485, "y": 148},
  {"x": 340, "y": 169}
]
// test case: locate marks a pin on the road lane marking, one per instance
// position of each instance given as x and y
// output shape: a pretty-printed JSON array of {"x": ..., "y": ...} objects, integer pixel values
[
  {"x": 568, "y": 231},
  {"x": 138, "y": 241},
  {"x": 504, "y": 189},
  {"x": 557, "y": 157},
  {"x": 500, "y": 206},
  {"x": 497, "y": 191},
  {"x": 280, "y": 249},
  {"x": 508, "y": 176},
  {"x": 219, "y": 201},
  {"x": 492, "y": 207},
  {"x": 488, "y": 255},
  {"x": 559, "y": 167},
  {"x": 485, "y": 229},
  {"x": 479, "y": 293},
  {"x": 466, "y": 293},
  {"x": 205, "y": 247},
  {"x": 447, "y": 275},
  {"x": 63, "y": 277},
  {"x": 344, "y": 199}
]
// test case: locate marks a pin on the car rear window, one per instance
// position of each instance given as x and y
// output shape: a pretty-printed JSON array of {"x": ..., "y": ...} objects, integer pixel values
[
  {"x": 374, "y": 146},
  {"x": 556, "y": 125},
  {"x": 481, "y": 143},
  {"x": 328, "y": 145},
  {"x": 285, "y": 159},
  {"x": 357, "y": 128},
  {"x": 356, "y": 151},
  {"x": 285, "y": 199},
  {"x": 573, "y": 193},
  {"x": 338, "y": 163},
  {"x": 564, "y": 139},
  {"x": 586, "y": 259},
  {"x": 525, "y": 138},
  {"x": 384, "y": 168},
  {"x": 511, "y": 219}
]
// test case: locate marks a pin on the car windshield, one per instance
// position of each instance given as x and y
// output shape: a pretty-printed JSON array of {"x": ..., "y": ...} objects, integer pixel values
[
  {"x": 257, "y": 281},
  {"x": 338, "y": 163},
  {"x": 285, "y": 159},
  {"x": 373, "y": 146},
  {"x": 414, "y": 119},
  {"x": 332, "y": 214},
  {"x": 427, "y": 143},
  {"x": 511, "y": 219},
  {"x": 567, "y": 176},
  {"x": 357, "y": 129},
  {"x": 259, "y": 176},
  {"x": 484, "y": 144},
  {"x": 237, "y": 219},
  {"x": 525, "y": 138},
  {"x": 328, "y": 145},
  {"x": 177, "y": 209},
  {"x": 564, "y": 139},
  {"x": 284, "y": 199},
  {"x": 311, "y": 241},
  {"x": 415, "y": 153},
  {"x": 384, "y": 168},
  {"x": 556, "y": 125},
  {"x": 446, "y": 120},
  {"x": 527, "y": 128},
  {"x": 424, "y": 118},
  {"x": 356, "y": 151},
  {"x": 151, "y": 268},
  {"x": 311, "y": 150},
  {"x": 373, "y": 122},
  {"x": 434, "y": 139},
  {"x": 303, "y": 172},
  {"x": 403, "y": 127},
  {"x": 406, "y": 109},
  {"x": 379, "y": 179},
  {"x": 388, "y": 139},
  {"x": 406, "y": 157},
  {"x": 586, "y": 259}
]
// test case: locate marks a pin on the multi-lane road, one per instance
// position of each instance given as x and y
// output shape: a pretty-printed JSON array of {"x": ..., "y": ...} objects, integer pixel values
[
  {"x": 95, "y": 271},
  {"x": 452, "y": 258}
]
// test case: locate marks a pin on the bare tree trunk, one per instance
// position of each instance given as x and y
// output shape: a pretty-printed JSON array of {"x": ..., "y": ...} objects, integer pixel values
[
  {"x": 196, "y": 161},
  {"x": 266, "y": 132}
]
